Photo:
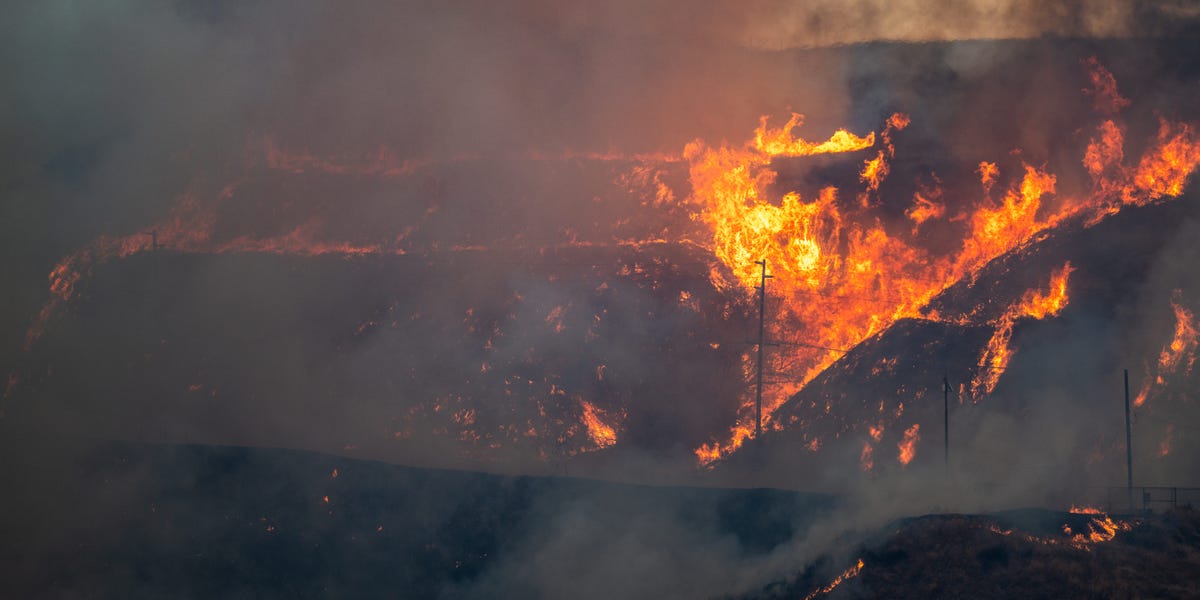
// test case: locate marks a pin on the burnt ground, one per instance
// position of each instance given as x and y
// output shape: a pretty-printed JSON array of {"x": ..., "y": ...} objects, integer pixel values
[
  {"x": 1019, "y": 554},
  {"x": 135, "y": 520},
  {"x": 131, "y": 520}
]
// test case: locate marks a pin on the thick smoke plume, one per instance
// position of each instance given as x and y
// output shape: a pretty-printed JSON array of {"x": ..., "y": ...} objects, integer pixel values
[{"x": 503, "y": 173}]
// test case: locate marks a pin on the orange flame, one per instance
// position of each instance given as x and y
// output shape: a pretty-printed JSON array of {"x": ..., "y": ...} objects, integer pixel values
[
  {"x": 875, "y": 170},
  {"x": 850, "y": 573},
  {"x": 779, "y": 142},
  {"x": 1101, "y": 528},
  {"x": 1034, "y": 304},
  {"x": 1104, "y": 88},
  {"x": 1180, "y": 351},
  {"x": 988, "y": 172},
  {"x": 602, "y": 434},
  {"x": 924, "y": 209},
  {"x": 866, "y": 460},
  {"x": 908, "y": 445},
  {"x": 840, "y": 276}
]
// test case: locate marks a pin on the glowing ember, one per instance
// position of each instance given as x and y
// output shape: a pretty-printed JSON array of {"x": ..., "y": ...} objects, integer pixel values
[
  {"x": 850, "y": 573},
  {"x": 1164, "y": 448},
  {"x": 602, "y": 434},
  {"x": 908, "y": 445},
  {"x": 865, "y": 459}
]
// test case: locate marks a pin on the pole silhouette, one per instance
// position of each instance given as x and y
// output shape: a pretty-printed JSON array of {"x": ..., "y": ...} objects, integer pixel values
[
  {"x": 762, "y": 309},
  {"x": 946, "y": 418},
  {"x": 1128, "y": 445}
]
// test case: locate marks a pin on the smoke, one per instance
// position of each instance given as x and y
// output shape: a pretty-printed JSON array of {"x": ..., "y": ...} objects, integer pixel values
[{"x": 119, "y": 112}]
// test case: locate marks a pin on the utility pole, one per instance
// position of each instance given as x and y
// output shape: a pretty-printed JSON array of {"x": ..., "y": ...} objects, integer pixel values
[
  {"x": 1128, "y": 445},
  {"x": 154, "y": 246},
  {"x": 946, "y": 417},
  {"x": 762, "y": 308}
]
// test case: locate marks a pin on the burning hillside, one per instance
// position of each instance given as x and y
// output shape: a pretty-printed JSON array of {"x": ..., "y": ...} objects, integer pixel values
[
  {"x": 550, "y": 359},
  {"x": 571, "y": 264}
]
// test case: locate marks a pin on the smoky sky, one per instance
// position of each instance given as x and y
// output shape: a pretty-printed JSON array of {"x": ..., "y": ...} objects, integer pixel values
[{"x": 115, "y": 111}]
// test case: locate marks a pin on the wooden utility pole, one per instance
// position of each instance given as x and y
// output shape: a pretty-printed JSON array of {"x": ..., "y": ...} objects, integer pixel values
[
  {"x": 762, "y": 308},
  {"x": 946, "y": 418},
  {"x": 1128, "y": 445},
  {"x": 154, "y": 245}
]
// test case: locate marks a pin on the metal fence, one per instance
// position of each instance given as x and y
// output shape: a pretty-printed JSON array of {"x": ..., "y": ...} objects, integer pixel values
[{"x": 1151, "y": 499}]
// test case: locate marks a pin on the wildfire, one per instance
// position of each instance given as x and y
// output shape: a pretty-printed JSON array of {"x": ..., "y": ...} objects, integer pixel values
[
  {"x": 1164, "y": 448},
  {"x": 866, "y": 459},
  {"x": 850, "y": 573},
  {"x": 780, "y": 142},
  {"x": 924, "y": 209},
  {"x": 602, "y": 434},
  {"x": 1180, "y": 351},
  {"x": 1034, "y": 304},
  {"x": 839, "y": 275},
  {"x": 908, "y": 445},
  {"x": 1101, "y": 528},
  {"x": 988, "y": 172},
  {"x": 875, "y": 170}
]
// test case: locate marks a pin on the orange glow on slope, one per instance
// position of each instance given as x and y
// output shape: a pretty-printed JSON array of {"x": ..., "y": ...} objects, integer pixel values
[
  {"x": 1164, "y": 447},
  {"x": 908, "y": 445},
  {"x": 840, "y": 276},
  {"x": 602, "y": 434},
  {"x": 866, "y": 459},
  {"x": 1101, "y": 528},
  {"x": 997, "y": 230},
  {"x": 850, "y": 573},
  {"x": 1034, "y": 304}
]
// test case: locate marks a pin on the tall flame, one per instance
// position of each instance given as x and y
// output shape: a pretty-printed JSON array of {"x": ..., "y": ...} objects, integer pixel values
[
  {"x": 1034, "y": 304},
  {"x": 1180, "y": 351}
]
